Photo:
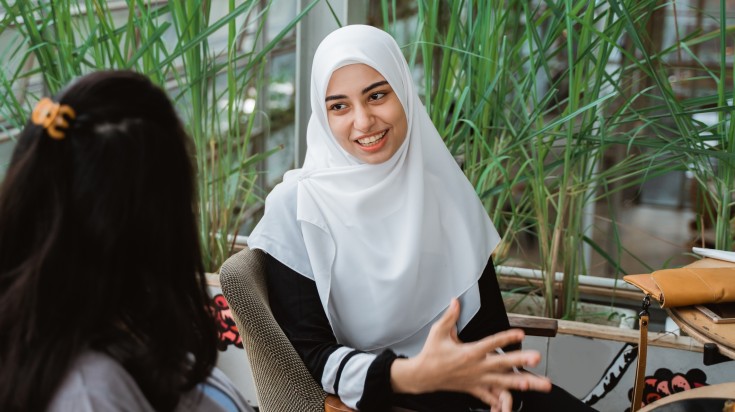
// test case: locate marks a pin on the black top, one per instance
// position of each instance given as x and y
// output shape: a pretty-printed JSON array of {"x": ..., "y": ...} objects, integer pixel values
[{"x": 362, "y": 380}]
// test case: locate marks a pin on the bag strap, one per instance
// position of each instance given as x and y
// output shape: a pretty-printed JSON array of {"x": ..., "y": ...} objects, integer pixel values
[{"x": 640, "y": 373}]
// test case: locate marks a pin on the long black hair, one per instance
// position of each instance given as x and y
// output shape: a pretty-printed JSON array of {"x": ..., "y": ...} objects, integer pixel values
[{"x": 99, "y": 248}]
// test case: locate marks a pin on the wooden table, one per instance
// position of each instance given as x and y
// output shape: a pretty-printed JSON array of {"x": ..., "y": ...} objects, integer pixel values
[{"x": 716, "y": 336}]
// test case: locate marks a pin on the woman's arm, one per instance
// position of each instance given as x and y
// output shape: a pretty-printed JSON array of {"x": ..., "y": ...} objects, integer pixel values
[
  {"x": 361, "y": 380},
  {"x": 367, "y": 381}
]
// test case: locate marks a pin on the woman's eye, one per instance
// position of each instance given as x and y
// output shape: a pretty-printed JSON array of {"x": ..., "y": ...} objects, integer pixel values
[
  {"x": 377, "y": 96},
  {"x": 337, "y": 106}
]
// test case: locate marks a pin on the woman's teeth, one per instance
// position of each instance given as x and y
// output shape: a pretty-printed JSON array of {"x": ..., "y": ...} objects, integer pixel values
[{"x": 369, "y": 141}]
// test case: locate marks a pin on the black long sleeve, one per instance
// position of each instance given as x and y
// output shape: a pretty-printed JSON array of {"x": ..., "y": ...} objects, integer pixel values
[{"x": 361, "y": 379}]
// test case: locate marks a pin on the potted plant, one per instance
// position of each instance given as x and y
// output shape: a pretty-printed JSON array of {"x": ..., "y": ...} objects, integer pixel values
[
  {"x": 209, "y": 56},
  {"x": 555, "y": 107},
  {"x": 543, "y": 102}
]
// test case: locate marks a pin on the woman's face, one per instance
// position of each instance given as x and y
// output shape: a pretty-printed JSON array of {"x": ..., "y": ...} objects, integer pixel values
[{"x": 364, "y": 113}]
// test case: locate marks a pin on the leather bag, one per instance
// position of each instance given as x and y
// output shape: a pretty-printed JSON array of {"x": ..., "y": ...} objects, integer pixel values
[
  {"x": 706, "y": 281},
  {"x": 702, "y": 282}
]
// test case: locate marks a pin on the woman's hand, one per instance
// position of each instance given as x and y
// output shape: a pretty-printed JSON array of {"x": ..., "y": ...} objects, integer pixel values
[{"x": 446, "y": 363}]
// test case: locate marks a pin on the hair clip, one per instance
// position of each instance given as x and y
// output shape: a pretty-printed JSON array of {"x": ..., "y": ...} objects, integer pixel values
[{"x": 50, "y": 116}]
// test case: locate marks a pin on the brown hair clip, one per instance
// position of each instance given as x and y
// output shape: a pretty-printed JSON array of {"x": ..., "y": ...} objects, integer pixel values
[{"x": 50, "y": 116}]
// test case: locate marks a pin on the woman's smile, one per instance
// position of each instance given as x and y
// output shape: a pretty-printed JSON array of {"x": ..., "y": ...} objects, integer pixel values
[
  {"x": 373, "y": 142},
  {"x": 364, "y": 113}
]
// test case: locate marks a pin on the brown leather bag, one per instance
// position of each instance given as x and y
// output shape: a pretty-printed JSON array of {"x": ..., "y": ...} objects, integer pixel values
[
  {"x": 702, "y": 282},
  {"x": 705, "y": 281}
]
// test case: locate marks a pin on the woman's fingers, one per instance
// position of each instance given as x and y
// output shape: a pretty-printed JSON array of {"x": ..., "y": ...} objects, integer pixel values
[
  {"x": 453, "y": 335},
  {"x": 498, "y": 340},
  {"x": 446, "y": 325},
  {"x": 510, "y": 360},
  {"x": 504, "y": 402},
  {"x": 488, "y": 396},
  {"x": 497, "y": 399},
  {"x": 450, "y": 316},
  {"x": 522, "y": 381}
]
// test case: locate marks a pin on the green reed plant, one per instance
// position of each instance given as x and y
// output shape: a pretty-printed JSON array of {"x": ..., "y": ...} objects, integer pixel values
[
  {"x": 207, "y": 63},
  {"x": 532, "y": 95},
  {"x": 706, "y": 150},
  {"x": 669, "y": 128}
]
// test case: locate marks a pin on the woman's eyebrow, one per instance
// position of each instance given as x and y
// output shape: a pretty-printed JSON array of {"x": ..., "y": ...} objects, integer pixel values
[
  {"x": 365, "y": 90},
  {"x": 374, "y": 85},
  {"x": 335, "y": 97}
]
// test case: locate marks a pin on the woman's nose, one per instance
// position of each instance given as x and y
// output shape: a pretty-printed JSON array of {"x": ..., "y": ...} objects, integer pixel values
[{"x": 364, "y": 119}]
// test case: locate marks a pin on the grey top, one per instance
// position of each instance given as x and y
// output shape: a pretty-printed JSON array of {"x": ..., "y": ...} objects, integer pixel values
[{"x": 97, "y": 383}]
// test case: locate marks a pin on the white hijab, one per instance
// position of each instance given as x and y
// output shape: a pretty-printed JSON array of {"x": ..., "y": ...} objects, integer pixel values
[{"x": 388, "y": 245}]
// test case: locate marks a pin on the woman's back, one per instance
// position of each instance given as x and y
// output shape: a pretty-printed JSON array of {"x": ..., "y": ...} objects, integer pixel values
[
  {"x": 97, "y": 382},
  {"x": 99, "y": 249}
]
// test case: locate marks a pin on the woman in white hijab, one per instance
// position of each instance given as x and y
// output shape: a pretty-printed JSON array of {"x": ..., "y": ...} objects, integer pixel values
[{"x": 376, "y": 243}]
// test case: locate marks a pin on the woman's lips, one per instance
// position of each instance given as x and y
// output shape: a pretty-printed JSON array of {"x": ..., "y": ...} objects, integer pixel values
[{"x": 372, "y": 143}]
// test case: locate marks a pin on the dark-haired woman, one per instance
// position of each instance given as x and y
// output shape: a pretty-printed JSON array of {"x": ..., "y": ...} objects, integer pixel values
[
  {"x": 103, "y": 302},
  {"x": 379, "y": 251}
]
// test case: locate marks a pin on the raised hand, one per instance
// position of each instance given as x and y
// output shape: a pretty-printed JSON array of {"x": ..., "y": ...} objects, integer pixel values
[{"x": 446, "y": 363}]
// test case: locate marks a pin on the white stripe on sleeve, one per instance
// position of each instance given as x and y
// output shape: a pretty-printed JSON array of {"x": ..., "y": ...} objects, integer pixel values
[
  {"x": 330, "y": 369},
  {"x": 352, "y": 380}
]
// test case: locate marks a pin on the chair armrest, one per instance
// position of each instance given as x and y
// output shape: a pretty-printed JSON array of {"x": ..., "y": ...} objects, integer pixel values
[
  {"x": 334, "y": 404},
  {"x": 533, "y": 325}
]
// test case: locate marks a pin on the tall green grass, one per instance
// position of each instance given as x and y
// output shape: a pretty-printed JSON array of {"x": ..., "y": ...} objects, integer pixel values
[
  {"x": 535, "y": 95},
  {"x": 208, "y": 63}
]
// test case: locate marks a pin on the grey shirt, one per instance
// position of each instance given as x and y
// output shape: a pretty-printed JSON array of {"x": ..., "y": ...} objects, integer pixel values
[{"x": 97, "y": 382}]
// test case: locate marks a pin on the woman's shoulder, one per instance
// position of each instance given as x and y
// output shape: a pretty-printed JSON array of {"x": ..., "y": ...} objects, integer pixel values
[
  {"x": 219, "y": 395},
  {"x": 95, "y": 382},
  {"x": 279, "y": 218},
  {"x": 283, "y": 195},
  {"x": 279, "y": 232}
]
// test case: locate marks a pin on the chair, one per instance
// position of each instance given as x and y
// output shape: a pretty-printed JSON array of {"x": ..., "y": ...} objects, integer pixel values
[{"x": 282, "y": 382}]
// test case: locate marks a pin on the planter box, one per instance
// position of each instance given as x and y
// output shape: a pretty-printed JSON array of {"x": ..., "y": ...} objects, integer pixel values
[{"x": 594, "y": 313}]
